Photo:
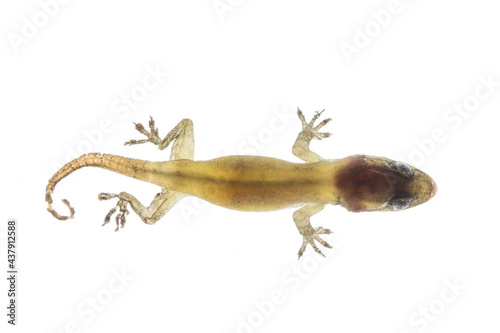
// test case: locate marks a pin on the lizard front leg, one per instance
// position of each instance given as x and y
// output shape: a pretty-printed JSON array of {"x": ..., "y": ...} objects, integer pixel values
[
  {"x": 302, "y": 218},
  {"x": 160, "y": 205},
  {"x": 309, "y": 132}
]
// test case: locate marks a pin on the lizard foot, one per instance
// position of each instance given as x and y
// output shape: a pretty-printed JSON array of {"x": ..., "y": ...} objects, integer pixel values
[
  {"x": 312, "y": 130},
  {"x": 152, "y": 135},
  {"x": 312, "y": 234},
  {"x": 121, "y": 205}
]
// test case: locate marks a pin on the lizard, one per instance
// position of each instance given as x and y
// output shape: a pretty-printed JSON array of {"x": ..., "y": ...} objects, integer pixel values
[{"x": 359, "y": 183}]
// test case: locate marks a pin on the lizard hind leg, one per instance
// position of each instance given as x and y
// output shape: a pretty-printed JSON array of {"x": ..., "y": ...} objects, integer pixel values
[
  {"x": 160, "y": 205},
  {"x": 181, "y": 137},
  {"x": 121, "y": 204}
]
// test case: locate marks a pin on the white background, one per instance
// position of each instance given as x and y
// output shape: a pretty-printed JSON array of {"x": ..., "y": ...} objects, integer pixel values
[{"x": 202, "y": 268}]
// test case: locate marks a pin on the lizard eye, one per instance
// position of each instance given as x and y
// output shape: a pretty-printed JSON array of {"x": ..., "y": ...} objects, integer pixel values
[
  {"x": 399, "y": 204},
  {"x": 403, "y": 169}
]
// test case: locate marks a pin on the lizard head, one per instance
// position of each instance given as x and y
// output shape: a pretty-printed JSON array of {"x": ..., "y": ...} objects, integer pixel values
[{"x": 369, "y": 183}]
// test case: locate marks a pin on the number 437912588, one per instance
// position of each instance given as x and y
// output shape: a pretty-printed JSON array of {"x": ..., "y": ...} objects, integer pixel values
[{"x": 11, "y": 245}]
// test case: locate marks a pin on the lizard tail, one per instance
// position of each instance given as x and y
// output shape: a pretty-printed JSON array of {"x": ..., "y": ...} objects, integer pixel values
[{"x": 129, "y": 167}]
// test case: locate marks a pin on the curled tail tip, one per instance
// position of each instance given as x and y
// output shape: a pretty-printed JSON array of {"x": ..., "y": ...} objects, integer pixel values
[
  {"x": 57, "y": 215},
  {"x": 48, "y": 198}
]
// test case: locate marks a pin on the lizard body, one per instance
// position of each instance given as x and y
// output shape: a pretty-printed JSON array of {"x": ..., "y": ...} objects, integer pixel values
[{"x": 256, "y": 183}]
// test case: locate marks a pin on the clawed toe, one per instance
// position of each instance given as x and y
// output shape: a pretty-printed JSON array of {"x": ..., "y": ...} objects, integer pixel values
[
  {"x": 321, "y": 124},
  {"x": 121, "y": 206},
  {"x": 106, "y": 196},
  {"x": 321, "y": 230},
  {"x": 153, "y": 129}
]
